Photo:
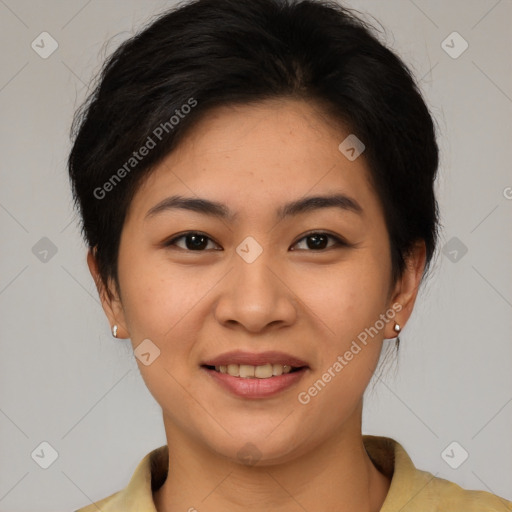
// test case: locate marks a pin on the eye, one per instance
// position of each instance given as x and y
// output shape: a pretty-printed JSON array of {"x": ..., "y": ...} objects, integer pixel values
[
  {"x": 319, "y": 240},
  {"x": 194, "y": 241},
  {"x": 197, "y": 241}
]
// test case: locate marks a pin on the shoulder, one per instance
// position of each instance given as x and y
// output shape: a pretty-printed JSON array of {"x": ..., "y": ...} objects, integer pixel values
[
  {"x": 443, "y": 495},
  {"x": 138, "y": 494},
  {"x": 108, "y": 504},
  {"x": 415, "y": 490}
]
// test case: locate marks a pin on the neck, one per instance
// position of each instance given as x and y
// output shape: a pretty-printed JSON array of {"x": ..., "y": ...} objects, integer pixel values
[{"x": 339, "y": 470}]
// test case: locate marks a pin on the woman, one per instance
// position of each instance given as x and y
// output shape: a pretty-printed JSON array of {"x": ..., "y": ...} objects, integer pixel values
[{"x": 255, "y": 180}]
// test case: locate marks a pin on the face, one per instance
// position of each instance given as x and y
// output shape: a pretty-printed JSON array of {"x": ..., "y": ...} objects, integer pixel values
[{"x": 304, "y": 287}]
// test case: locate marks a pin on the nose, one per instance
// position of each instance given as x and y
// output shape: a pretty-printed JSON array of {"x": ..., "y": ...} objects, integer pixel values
[{"x": 256, "y": 295}]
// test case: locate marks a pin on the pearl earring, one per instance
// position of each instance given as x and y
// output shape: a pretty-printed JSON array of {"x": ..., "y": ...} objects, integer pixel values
[
  {"x": 397, "y": 328},
  {"x": 114, "y": 331}
]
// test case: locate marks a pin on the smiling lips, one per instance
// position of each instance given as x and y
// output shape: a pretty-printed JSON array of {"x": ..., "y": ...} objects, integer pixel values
[
  {"x": 252, "y": 375},
  {"x": 248, "y": 371},
  {"x": 261, "y": 365}
]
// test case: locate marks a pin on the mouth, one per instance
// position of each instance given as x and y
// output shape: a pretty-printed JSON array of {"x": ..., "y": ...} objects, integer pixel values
[
  {"x": 248, "y": 371},
  {"x": 254, "y": 382},
  {"x": 251, "y": 375}
]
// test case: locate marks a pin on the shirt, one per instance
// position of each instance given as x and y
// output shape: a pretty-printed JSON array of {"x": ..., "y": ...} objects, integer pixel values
[{"x": 411, "y": 490}]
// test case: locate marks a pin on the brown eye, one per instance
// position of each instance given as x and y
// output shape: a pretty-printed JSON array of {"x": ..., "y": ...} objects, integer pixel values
[
  {"x": 318, "y": 241},
  {"x": 193, "y": 241}
]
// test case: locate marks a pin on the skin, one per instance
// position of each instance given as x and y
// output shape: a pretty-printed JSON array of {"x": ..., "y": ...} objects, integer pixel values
[{"x": 310, "y": 303}]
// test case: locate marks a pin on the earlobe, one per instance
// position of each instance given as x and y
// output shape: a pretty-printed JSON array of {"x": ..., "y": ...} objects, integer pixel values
[
  {"x": 110, "y": 302},
  {"x": 407, "y": 287}
]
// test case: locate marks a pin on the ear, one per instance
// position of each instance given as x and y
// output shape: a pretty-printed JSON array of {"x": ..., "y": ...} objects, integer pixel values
[
  {"x": 406, "y": 288},
  {"x": 110, "y": 300}
]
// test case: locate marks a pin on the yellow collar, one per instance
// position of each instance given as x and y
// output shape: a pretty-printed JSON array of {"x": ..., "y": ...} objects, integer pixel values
[{"x": 411, "y": 490}]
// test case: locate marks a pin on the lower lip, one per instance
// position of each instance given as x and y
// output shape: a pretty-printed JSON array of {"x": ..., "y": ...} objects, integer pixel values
[{"x": 254, "y": 387}]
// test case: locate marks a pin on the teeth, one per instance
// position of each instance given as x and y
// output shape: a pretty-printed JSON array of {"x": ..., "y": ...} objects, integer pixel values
[
  {"x": 233, "y": 369},
  {"x": 247, "y": 371},
  {"x": 277, "y": 369}
]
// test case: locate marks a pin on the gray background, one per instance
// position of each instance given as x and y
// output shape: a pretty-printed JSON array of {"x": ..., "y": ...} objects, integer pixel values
[{"x": 66, "y": 381}]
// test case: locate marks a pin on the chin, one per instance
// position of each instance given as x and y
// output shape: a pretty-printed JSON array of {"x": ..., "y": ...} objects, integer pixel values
[{"x": 257, "y": 444}]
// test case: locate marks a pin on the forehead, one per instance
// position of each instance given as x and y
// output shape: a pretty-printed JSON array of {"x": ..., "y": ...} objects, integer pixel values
[{"x": 273, "y": 152}]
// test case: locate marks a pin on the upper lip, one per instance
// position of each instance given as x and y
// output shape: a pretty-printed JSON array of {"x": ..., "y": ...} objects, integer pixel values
[{"x": 255, "y": 359}]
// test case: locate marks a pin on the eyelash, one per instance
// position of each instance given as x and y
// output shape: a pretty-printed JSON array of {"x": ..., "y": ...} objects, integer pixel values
[{"x": 339, "y": 242}]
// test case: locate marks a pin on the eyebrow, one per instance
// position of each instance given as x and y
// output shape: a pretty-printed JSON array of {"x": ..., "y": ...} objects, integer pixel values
[{"x": 221, "y": 211}]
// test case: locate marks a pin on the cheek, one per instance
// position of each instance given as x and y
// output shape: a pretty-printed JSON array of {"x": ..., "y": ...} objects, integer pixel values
[
  {"x": 161, "y": 304},
  {"x": 347, "y": 302},
  {"x": 345, "y": 298},
  {"x": 155, "y": 296}
]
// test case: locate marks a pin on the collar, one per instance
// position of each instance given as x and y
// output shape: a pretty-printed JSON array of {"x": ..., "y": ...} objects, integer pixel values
[{"x": 411, "y": 489}]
